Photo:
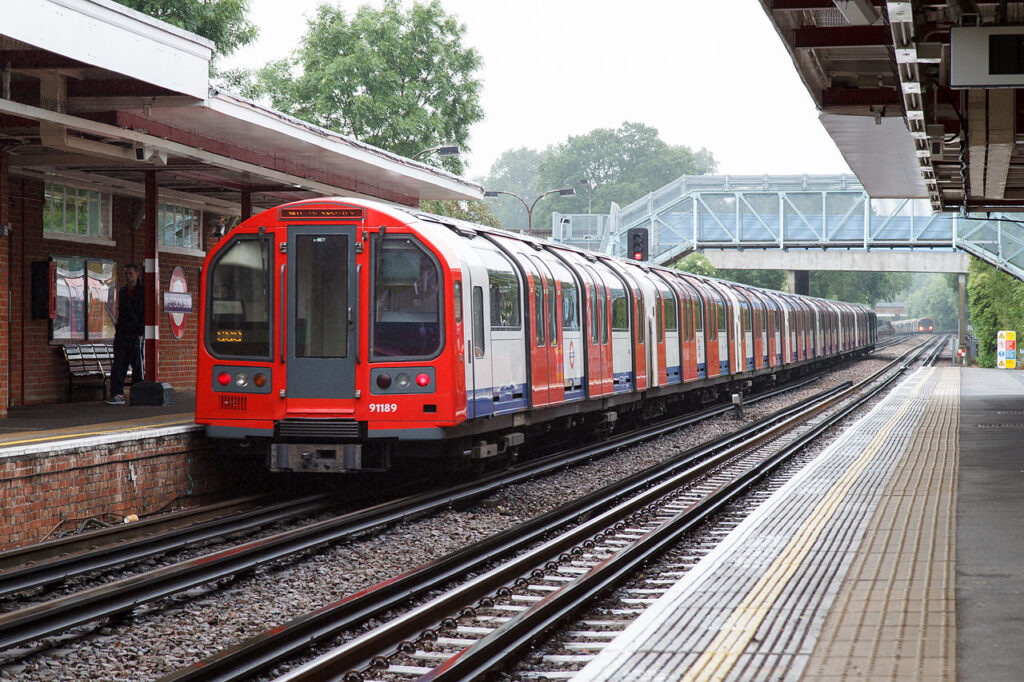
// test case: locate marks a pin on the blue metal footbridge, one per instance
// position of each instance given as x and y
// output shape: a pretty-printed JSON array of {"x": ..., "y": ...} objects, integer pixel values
[{"x": 791, "y": 212}]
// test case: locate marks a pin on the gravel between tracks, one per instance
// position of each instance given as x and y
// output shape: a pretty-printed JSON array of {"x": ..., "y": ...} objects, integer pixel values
[{"x": 162, "y": 637}]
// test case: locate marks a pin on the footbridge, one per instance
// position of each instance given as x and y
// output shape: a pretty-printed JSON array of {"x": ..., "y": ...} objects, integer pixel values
[{"x": 798, "y": 222}]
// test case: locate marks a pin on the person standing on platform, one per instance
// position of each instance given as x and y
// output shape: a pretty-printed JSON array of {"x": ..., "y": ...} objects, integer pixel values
[{"x": 128, "y": 332}]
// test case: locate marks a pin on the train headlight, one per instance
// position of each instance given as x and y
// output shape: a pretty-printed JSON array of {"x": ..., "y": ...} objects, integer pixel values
[
  {"x": 403, "y": 380},
  {"x": 260, "y": 380},
  {"x": 223, "y": 378},
  {"x": 241, "y": 379},
  {"x": 383, "y": 380},
  {"x": 422, "y": 379}
]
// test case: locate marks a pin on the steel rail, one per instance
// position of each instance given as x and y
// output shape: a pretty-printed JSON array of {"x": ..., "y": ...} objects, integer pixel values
[
  {"x": 259, "y": 652},
  {"x": 514, "y": 636},
  {"x": 281, "y": 642},
  {"x": 47, "y": 550},
  {"x": 56, "y": 615},
  {"x": 62, "y": 568}
]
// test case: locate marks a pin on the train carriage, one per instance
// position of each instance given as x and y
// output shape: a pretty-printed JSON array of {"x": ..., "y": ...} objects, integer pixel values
[{"x": 339, "y": 333}]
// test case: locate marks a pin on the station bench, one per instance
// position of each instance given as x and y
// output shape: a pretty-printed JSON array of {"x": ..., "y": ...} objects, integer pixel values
[{"x": 88, "y": 365}]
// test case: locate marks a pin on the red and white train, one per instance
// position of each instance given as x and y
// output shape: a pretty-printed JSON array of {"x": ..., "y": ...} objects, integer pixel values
[{"x": 337, "y": 333}]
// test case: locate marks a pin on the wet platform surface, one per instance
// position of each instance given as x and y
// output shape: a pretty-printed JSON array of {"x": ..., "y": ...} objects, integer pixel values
[
  {"x": 37, "y": 425},
  {"x": 898, "y": 554}
]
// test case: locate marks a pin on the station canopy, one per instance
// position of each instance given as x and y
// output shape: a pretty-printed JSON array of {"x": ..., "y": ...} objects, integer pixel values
[
  {"x": 98, "y": 94},
  {"x": 920, "y": 97}
]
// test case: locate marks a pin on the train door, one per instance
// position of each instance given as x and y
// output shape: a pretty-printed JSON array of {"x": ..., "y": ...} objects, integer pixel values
[
  {"x": 323, "y": 299},
  {"x": 698, "y": 334},
  {"x": 537, "y": 334},
  {"x": 598, "y": 382},
  {"x": 479, "y": 401},
  {"x": 551, "y": 318},
  {"x": 572, "y": 348},
  {"x": 668, "y": 348}
]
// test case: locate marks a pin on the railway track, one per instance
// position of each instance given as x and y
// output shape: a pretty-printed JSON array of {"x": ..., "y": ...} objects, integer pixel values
[
  {"x": 612, "y": 531},
  {"x": 60, "y": 614}
]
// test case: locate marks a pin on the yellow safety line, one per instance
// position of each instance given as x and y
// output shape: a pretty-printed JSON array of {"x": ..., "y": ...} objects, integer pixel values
[
  {"x": 83, "y": 434},
  {"x": 735, "y": 635}
]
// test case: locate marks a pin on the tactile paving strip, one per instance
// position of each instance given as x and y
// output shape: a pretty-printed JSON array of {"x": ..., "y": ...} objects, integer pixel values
[{"x": 754, "y": 607}]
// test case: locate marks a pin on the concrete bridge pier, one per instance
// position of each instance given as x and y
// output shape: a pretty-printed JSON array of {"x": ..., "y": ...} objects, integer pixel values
[{"x": 800, "y": 282}]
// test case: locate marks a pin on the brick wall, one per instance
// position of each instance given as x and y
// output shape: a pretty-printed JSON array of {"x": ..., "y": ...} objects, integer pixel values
[
  {"x": 36, "y": 371},
  {"x": 42, "y": 491}
]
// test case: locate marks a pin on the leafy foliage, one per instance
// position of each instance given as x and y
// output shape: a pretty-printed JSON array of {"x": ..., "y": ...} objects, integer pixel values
[
  {"x": 933, "y": 296},
  {"x": 997, "y": 303},
  {"x": 473, "y": 211},
  {"x": 604, "y": 166},
  {"x": 399, "y": 80},
  {"x": 697, "y": 263},
  {"x": 222, "y": 21},
  {"x": 858, "y": 287},
  {"x": 766, "y": 279}
]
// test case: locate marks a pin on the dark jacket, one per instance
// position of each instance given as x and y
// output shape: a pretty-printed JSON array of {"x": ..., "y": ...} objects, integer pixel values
[{"x": 131, "y": 311}]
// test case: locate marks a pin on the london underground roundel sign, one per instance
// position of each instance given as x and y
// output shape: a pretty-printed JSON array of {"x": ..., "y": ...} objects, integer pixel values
[{"x": 178, "y": 302}]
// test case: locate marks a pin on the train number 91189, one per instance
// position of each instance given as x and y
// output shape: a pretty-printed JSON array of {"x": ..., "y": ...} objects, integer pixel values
[{"x": 384, "y": 408}]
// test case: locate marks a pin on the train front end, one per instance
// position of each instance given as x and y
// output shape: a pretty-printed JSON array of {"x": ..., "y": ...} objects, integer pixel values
[{"x": 323, "y": 338}]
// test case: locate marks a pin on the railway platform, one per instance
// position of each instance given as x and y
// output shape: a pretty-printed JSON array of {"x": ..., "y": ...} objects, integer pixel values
[{"x": 895, "y": 555}]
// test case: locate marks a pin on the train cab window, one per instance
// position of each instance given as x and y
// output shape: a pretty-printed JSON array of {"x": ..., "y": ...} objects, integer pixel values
[
  {"x": 620, "y": 311},
  {"x": 407, "y": 300},
  {"x": 570, "y": 306},
  {"x": 239, "y": 307},
  {"x": 478, "y": 322},
  {"x": 321, "y": 321}
]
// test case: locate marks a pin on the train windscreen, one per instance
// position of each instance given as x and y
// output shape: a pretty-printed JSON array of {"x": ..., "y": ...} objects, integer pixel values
[
  {"x": 239, "y": 301},
  {"x": 407, "y": 300}
]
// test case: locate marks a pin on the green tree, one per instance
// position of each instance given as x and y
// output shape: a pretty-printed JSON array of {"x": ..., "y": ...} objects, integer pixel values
[
  {"x": 931, "y": 296},
  {"x": 477, "y": 212},
  {"x": 997, "y": 303},
  {"x": 766, "y": 279},
  {"x": 225, "y": 22},
  {"x": 697, "y": 263},
  {"x": 606, "y": 166},
  {"x": 858, "y": 287},
  {"x": 399, "y": 80},
  {"x": 515, "y": 171}
]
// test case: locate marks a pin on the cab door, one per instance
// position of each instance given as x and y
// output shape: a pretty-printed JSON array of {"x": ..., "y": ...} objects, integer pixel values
[{"x": 322, "y": 295}]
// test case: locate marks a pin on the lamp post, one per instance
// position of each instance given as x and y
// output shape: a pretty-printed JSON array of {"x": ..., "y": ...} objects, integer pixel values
[
  {"x": 442, "y": 150},
  {"x": 564, "y": 192}
]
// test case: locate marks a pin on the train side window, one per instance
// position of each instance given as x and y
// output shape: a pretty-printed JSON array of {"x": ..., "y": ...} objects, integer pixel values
[
  {"x": 660, "y": 314},
  {"x": 538, "y": 310},
  {"x": 604, "y": 316},
  {"x": 504, "y": 287},
  {"x": 698, "y": 316},
  {"x": 669, "y": 309},
  {"x": 478, "y": 322},
  {"x": 721, "y": 315},
  {"x": 620, "y": 311},
  {"x": 595, "y": 317},
  {"x": 550, "y": 301},
  {"x": 570, "y": 306},
  {"x": 457, "y": 300},
  {"x": 640, "y": 318}
]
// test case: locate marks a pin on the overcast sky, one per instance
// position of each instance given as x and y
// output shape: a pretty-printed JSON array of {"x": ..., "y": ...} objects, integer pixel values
[{"x": 705, "y": 74}]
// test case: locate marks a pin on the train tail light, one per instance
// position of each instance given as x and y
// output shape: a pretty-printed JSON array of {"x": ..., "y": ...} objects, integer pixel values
[
  {"x": 422, "y": 379},
  {"x": 383, "y": 380},
  {"x": 223, "y": 378}
]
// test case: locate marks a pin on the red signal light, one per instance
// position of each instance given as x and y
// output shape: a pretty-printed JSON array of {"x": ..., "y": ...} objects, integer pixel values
[{"x": 638, "y": 256}]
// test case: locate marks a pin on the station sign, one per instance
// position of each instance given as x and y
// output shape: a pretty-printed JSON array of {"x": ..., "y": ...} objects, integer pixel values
[
  {"x": 1006, "y": 350},
  {"x": 178, "y": 302}
]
